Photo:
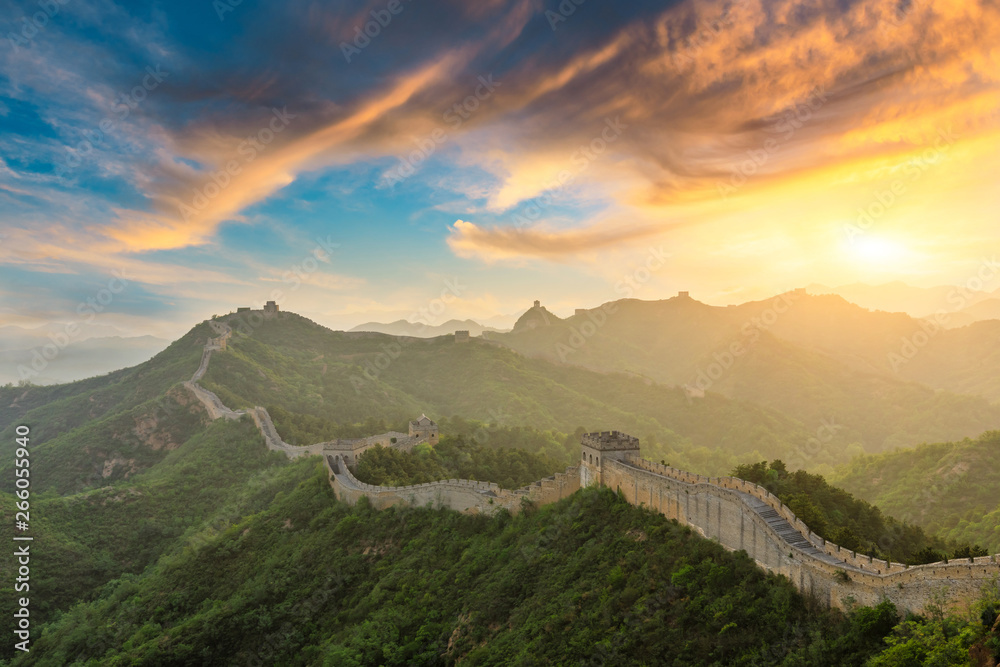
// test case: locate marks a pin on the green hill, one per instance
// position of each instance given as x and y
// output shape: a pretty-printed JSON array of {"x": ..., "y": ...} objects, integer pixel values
[
  {"x": 951, "y": 489},
  {"x": 308, "y": 581},
  {"x": 816, "y": 359},
  {"x": 55, "y": 409},
  {"x": 199, "y": 546},
  {"x": 84, "y": 540}
]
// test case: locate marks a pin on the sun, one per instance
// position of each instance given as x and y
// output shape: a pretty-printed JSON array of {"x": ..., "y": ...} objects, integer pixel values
[{"x": 876, "y": 250}]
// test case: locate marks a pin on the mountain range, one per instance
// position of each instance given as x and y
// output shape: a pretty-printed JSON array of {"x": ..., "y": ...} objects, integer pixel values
[
  {"x": 962, "y": 305},
  {"x": 418, "y": 330},
  {"x": 59, "y": 352},
  {"x": 144, "y": 504}
]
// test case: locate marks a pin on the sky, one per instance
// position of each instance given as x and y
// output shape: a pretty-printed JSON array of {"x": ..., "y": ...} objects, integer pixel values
[{"x": 432, "y": 159}]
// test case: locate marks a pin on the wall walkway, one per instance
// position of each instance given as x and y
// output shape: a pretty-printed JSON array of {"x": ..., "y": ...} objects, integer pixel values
[{"x": 736, "y": 513}]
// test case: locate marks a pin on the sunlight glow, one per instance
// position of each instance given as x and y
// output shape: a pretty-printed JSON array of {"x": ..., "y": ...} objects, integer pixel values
[{"x": 876, "y": 250}]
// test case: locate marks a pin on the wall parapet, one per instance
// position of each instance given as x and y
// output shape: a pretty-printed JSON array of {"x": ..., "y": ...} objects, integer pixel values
[
  {"x": 908, "y": 586},
  {"x": 849, "y": 557},
  {"x": 464, "y": 495},
  {"x": 789, "y": 548}
]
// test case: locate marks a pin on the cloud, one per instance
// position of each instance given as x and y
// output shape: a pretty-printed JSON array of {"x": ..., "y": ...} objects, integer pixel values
[
  {"x": 791, "y": 98},
  {"x": 491, "y": 244}
]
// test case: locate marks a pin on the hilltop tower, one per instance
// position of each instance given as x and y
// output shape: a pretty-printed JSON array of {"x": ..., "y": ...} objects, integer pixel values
[
  {"x": 425, "y": 429},
  {"x": 597, "y": 448}
]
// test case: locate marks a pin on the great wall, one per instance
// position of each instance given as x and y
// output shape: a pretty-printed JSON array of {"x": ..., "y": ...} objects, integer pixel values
[{"x": 737, "y": 514}]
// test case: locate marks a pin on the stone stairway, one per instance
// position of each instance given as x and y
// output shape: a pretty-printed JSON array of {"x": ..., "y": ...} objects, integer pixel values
[{"x": 788, "y": 533}]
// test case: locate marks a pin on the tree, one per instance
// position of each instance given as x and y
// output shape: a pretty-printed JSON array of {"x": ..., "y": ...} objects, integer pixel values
[{"x": 966, "y": 551}]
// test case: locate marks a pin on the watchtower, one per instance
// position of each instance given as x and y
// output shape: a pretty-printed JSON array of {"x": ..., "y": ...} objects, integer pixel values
[
  {"x": 597, "y": 448},
  {"x": 424, "y": 429}
]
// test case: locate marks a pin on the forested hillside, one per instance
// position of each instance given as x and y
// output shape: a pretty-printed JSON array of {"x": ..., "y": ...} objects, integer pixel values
[
  {"x": 951, "y": 489},
  {"x": 591, "y": 580},
  {"x": 52, "y": 410},
  {"x": 197, "y": 545},
  {"x": 93, "y": 537},
  {"x": 454, "y": 458},
  {"x": 836, "y": 515},
  {"x": 302, "y": 368},
  {"x": 816, "y": 359}
]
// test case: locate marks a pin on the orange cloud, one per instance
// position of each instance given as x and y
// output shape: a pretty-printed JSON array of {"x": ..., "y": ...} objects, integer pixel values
[
  {"x": 470, "y": 240},
  {"x": 703, "y": 88}
]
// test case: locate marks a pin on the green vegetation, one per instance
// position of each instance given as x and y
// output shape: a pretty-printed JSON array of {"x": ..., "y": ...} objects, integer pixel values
[
  {"x": 94, "y": 537},
  {"x": 454, "y": 458},
  {"x": 836, "y": 515},
  {"x": 303, "y": 368},
  {"x": 311, "y": 581},
  {"x": 112, "y": 447},
  {"x": 950, "y": 489},
  {"x": 303, "y": 429},
  {"x": 52, "y": 410},
  {"x": 816, "y": 360},
  {"x": 198, "y": 546}
]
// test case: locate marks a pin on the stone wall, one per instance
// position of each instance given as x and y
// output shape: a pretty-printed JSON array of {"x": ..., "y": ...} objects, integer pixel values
[
  {"x": 463, "y": 495},
  {"x": 736, "y": 513},
  {"x": 351, "y": 449},
  {"x": 741, "y": 515}
]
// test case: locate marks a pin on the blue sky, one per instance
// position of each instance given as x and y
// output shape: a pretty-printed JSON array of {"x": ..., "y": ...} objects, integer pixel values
[{"x": 206, "y": 150}]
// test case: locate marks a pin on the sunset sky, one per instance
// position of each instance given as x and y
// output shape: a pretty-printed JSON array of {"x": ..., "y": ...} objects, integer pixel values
[{"x": 222, "y": 154}]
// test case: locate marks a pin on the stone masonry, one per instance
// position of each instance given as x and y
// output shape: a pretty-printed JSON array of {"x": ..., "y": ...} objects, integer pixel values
[{"x": 737, "y": 514}]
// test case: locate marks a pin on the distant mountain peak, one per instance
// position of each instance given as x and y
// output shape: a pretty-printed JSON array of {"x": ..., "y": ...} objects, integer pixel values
[
  {"x": 536, "y": 316},
  {"x": 421, "y": 330}
]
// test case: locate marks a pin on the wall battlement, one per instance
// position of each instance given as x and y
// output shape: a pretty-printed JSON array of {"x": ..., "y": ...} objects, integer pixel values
[
  {"x": 738, "y": 514},
  {"x": 463, "y": 495},
  {"x": 744, "y": 516},
  {"x": 610, "y": 441}
]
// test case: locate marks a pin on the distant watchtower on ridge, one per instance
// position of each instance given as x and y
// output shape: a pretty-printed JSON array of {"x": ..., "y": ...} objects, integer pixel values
[
  {"x": 425, "y": 428},
  {"x": 596, "y": 448}
]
